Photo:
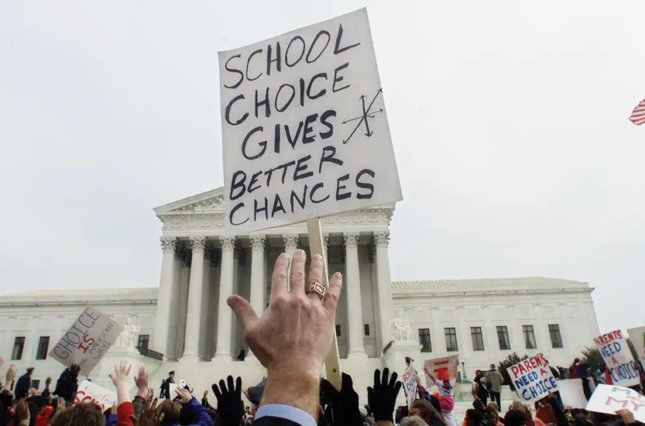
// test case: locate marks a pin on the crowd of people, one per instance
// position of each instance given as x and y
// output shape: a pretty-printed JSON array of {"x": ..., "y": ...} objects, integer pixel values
[{"x": 291, "y": 339}]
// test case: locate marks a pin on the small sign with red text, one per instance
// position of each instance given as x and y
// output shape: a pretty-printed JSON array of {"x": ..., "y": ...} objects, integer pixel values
[
  {"x": 89, "y": 392},
  {"x": 532, "y": 378}
]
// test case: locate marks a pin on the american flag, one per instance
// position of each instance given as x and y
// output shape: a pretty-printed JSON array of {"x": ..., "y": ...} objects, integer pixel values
[{"x": 638, "y": 115}]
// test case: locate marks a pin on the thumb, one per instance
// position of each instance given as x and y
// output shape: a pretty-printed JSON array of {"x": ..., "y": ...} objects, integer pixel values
[{"x": 244, "y": 312}]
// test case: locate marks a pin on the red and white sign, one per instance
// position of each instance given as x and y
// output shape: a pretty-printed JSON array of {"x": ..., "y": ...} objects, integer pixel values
[
  {"x": 532, "y": 378},
  {"x": 409, "y": 380},
  {"x": 436, "y": 365},
  {"x": 89, "y": 392},
  {"x": 617, "y": 356}
]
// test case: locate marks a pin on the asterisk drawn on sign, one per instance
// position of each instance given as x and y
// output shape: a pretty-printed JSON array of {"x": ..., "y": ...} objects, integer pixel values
[{"x": 367, "y": 113}]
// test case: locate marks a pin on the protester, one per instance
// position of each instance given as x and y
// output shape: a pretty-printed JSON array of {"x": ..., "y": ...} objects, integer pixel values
[
  {"x": 425, "y": 411},
  {"x": 479, "y": 387},
  {"x": 67, "y": 383},
  {"x": 24, "y": 384},
  {"x": 581, "y": 370},
  {"x": 493, "y": 380},
  {"x": 164, "y": 390}
]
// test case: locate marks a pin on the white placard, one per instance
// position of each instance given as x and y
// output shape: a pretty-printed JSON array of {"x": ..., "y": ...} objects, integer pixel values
[
  {"x": 304, "y": 128},
  {"x": 617, "y": 356},
  {"x": 572, "y": 393},
  {"x": 89, "y": 392},
  {"x": 609, "y": 398},
  {"x": 435, "y": 365},
  {"x": 532, "y": 378},
  {"x": 172, "y": 391},
  {"x": 637, "y": 337},
  {"x": 87, "y": 340},
  {"x": 409, "y": 381}
]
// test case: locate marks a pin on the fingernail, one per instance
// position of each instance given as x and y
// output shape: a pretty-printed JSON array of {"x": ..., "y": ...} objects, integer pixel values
[
  {"x": 339, "y": 275},
  {"x": 316, "y": 257}
]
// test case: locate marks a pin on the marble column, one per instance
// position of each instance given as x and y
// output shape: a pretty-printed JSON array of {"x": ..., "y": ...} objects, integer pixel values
[
  {"x": 354, "y": 301},
  {"x": 258, "y": 279},
  {"x": 165, "y": 298},
  {"x": 384, "y": 288},
  {"x": 224, "y": 313},
  {"x": 195, "y": 293},
  {"x": 290, "y": 243}
]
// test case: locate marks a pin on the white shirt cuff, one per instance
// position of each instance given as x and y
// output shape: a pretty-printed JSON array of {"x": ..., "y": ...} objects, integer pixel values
[{"x": 286, "y": 412}]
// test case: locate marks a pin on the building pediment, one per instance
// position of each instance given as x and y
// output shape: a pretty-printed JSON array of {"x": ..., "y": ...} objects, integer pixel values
[
  {"x": 204, "y": 213},
  {"x": 206, "y": 202}
]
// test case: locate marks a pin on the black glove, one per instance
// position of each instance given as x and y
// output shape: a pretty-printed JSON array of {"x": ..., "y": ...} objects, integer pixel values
[
  {"x": 382, "y": 397},
  {"x": 230, "y": 408},
  {"x": 344, "y": 404}
]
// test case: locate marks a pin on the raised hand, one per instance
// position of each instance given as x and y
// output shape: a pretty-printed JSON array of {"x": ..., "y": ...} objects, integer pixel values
[
  {"x": 11, "y": 374},
  {"x": 626, "y": 415},
  {"x": 22, "y": 411},
  {"x": 293, "y": 336},
  {"x": 230, "y": 408},
  {"x": 344, "y": 404},
  {"x": 142, "y": 382},
  {"x": 382, "y": 397},
  {"x": 121, "y": 378},
  {"x": 184, "y": 396}
]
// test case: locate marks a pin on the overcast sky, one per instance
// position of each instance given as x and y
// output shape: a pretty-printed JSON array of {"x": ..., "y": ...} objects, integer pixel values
[{"x": 509, "y": 122}]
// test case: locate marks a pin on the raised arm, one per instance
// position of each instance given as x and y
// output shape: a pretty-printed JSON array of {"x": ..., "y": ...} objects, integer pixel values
[{"x": 293, "y": 336}]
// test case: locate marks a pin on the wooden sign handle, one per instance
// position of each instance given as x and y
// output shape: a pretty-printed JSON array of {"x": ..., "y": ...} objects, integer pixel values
[{"x": 317, "y": 245}]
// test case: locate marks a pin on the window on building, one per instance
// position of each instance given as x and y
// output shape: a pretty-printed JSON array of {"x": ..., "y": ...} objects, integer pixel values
[
  {"x": 142, "y": 343},
  {"x": 451, "y": 339},
  {"x": 35, "y": 384},
  {"x": 366, "y": 329},
  {"x": 556, "y": 338},
  {"x": 478, "y": 338},
  {"x": 529, "y": 337},
  {"x": 18, "y": 346},
  {"x": 424, "y": 340},
  {"x": 43, "y": 347},
  {"x": 502, "y": 337},
  {"x": 337, "y": 330}
]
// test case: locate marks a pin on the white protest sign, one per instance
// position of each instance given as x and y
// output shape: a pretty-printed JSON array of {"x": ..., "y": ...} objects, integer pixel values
[
  {"x": 436, "y": 367},
  {"x": 87, "y": 340},
  {"x": 89, "y": 392},
  {"x": 409, "y": 380},
  {"x": 172, "y": 390},
  {"x": 619, "y": 360},
  {"x": 532, "y": 378},
  {"x": 304, "y": 128},
  {"x": 637, "y": 337},
  {"x": 609, "y": 398},
  {"x": 571, "y": 393}
]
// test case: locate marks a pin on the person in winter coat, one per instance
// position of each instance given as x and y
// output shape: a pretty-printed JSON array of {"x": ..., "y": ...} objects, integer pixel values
[
  {"x": 67, "y": 383},
  {"x": 164, "y": 391},
  {"x": 24, "y": 384},
  {"x": 494, "y": 380},
  {"x": 480, "y": 391}
]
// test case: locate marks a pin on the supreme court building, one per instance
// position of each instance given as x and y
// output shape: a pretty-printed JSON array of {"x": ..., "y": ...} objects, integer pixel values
[{"x": 377, "y": 323}]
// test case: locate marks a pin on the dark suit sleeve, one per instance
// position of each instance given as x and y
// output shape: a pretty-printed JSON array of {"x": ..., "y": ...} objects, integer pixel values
[{"x": 273, "y": 421}]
